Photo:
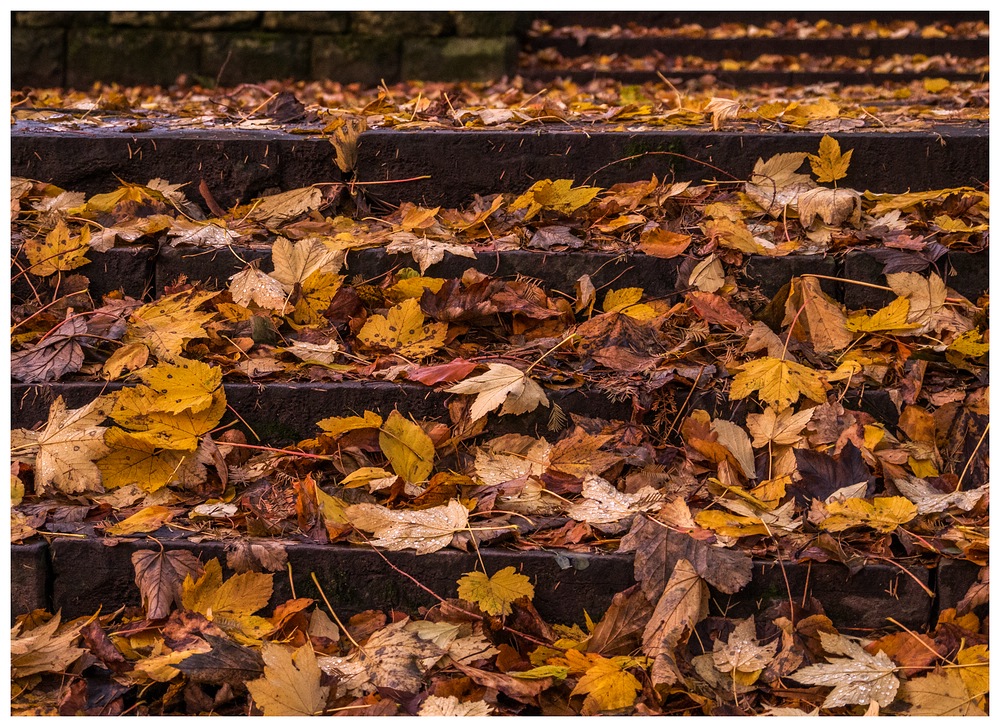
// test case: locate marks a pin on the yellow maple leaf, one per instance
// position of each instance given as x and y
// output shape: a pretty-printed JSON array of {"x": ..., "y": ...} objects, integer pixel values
[
  {"x": 129, "y": 357},
  {"x": 294, "y": 262},
  {"x": 778, "y": 382},
  {"x": 231, "y": 603},
  {"x": 58, "y": 251},
  {"x": 882, "y": 514},
  {"x": 253, "y": 286},
  {"x": 830, "y": 165},
  {"x": 407, "y": 447},
  {"x": 402, "y": 330},
  {"x": 335, "y": 426},
  {"x": 559, "y": 196},
  {"x": 495, "y": 594},
  {"x": 69, "y": 444},
  {"x": 626, "y": 301},
  {"x": 291, "y": 683},
  {"x": 168, "y": 323},
  {"x": 182, "y": 384},
  {"x": 608, "y": 685},
  {"x": 971, "y": 343},
  {"x": 315, "y": 295},
  {"x": 894, "y": 317},
  {"x": 43, "y": 648},
  {"x": 140, "y": 408}
]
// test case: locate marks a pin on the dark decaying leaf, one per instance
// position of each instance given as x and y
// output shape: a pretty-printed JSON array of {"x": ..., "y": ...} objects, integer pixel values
[
  {"x": 658, "y": 549},
  {"x": 226, "y": 663},
  {"x": 57, "y": 355},
  {"x": 620, "y": 630},
  {"x": 822, "y": 475},
  {"x": 160, "y": 577}
]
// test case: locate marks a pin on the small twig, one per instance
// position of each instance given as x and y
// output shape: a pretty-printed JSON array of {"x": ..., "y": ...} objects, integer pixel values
[
  {"x": 334, "y": 614},
  {"x": 972, "y": 457}
]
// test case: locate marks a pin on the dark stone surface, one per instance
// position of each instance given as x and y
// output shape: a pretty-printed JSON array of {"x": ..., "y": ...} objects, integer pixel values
[
  {"x": 863, "y": 601},
  {"x": 306, "y": 22},
  {"x": 770, "y": 274},
  {"x": 38, "y": 57},
  {"x": 29, "y": 577},
  {"x": 51, "y": 19},
  {"x": 970, "y": 273},
  {"x": 675, "y": 18},
  {"x": 454, "y": 59},
  {"x": 203, "y": 20},
  {"x": 212, "y": 267},
  {"x": 234, "y": 58},
  {"x": 30, "y": 402},
  {"x": 125, "y": 55},
  {"x": 485, "y": 23},
  {"x": 129, "y": 269},
  {"x": 462, "y": 163},
  {"x": 89, "y": 575},
  {"x": 746, "y": 79},
  {"x": 357, "y": 59},
  {"x": 967, "y": 273},
  {"x": 954, "y": 579},
  {"x": 401, "y": 23}
]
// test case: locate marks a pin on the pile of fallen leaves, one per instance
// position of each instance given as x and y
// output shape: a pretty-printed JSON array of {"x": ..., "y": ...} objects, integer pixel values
[
  {"x": 321, "y": 107},
  {"x": 780, "y": 464}
]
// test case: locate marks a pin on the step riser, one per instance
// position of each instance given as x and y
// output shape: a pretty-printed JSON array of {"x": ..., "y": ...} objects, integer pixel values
[
  {"x": 237, "y": 166},
  {"x": 748, "y": 79}
]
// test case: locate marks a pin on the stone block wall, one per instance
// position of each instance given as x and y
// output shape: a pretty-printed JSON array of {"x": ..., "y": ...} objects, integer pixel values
[{"x": 77, "y": 49}]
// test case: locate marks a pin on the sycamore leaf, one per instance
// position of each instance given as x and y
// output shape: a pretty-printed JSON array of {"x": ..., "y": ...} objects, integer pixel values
[
  {"x": 830, "y": 165},
  {"x": 926, "y": 295},
  {"x": 971, "y": 343},
  {"x": 68, "y": 447},
  {"x": 426, "y": 252},
  {"x": 402, "y": 330},
  {"x": 683, "y": 603},
  {"x": 559, "y": 196},
  {"x": 58, "y": 252},
  {"x": 882, "y": 514},
  {"x": 315, "y": 295},
  {"x": 501, "y": 385},
  {"x": 407, "y": 447},
  {"x": 294, "y": 262},
  {"x": 230, "y": 604},
  {"x": 894, "y": 317},
  {"x": 58, "y": 354},
  {"x": 602, "y": 503},
  {"x": 730, "y": 525},
  {"x": 160, "y": 576},
  {"x": 579, "y": 454},
  {"x": 146, "y": 520},
  {"x": 253, "y": 286},
  {"x": 183, "y": 384},
  {"x": 861, "y": 678},
  {"x": 734, "y": 438},
  {"x": 43, "y": 648},
  {"x": 975, "y": 661},
  {"x": 772, "y": 427},
  {"x": 277, "y": 208},
  {"x": 423, "y": 530},
  {"x": 450, "y": 706},
  {"x": 778, "y": 382},
  {"x": 608, "y": 685},
  {"x": 943, "y": 692},
  {"x": 928, "y": 500},
  {"x": 741, "y": 652},
  {"x": 291, "y": 683},
  {"x": 169, "y": 322},
  {"x": 134, "y": 459},
  {"x": 494, "y": 594}
]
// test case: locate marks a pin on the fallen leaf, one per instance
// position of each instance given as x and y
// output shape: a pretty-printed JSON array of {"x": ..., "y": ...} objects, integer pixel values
[
  {"x": 291, "y": 683},
  {"x": 741, "y": 652},
  {"x": 943, "y": 692},
  {"x": 166, "y": 324},
  {"x": 407, "y": 447},
  {"x": 146, "y": 520},
  {"x": 495, "y": 594},
  {"x": 883, "y": 514},
  {"x": 426, "y": 252},
  {"x": 68, "y": 447},
  {"x": 830, "y": 165},
  {"x": 608, "y": 685},
  {"x": 58, "y": 252},
  {"x": 295, "y": 262},
  {"x": 423, "y": 530},
  {"x": 778, "y": 382},
  {"x": 683, "y": 603},
  {"x": 402, "y": 330},
  {"x": 183, "y": 384},
  {"x": 252, "y": 286},
  {"x": 603, "y": 504},
  {"x": 43, "y": 648},
  {"x": 227, "y": 663},
  {"x": 859, "y": 679},
  {"x": 60, "y": 353},
  {"x": 277, "y": 208},
  {"x": 451, "y": 707},
  {"x": 501, "y": 386}
]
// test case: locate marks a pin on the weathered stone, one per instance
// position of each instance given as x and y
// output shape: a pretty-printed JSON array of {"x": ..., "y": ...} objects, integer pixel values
[
  {"x": 253, "y": 57},
  {"x": 58, "y": 19},
  {"x": 454, "y": 59},
  {"x": 29, "y": 577},
  {"x": 306, "y": 22},
  {"x": 356, "y": 59},
  {"x": 954, "y": 579},
  {"x": 204, "y": 20},
  {"x": 129, "y": 269},
  {"x": 124, "y": 56},
  {"x": 37, "y": 57},
  {"x": 771, "y": 273},
  {"x": 485, "y": 23},
  {"x": 406, "y": 23}
]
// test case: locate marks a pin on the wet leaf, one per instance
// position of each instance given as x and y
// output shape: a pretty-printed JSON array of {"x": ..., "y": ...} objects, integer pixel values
[
  {"x": 423, "y": 530},
  {"x": 501, "y": 386},
  {"x": 495, "y": 594},
  {"x": 43, "y": 648},
  {"x": 778, "y": 382},
  {"x": 859, "y": 678},
  {"x": 452, "y": 707},
  {"x": 830, "y": 165},
  {"x": 403, "y": 330},
  {"x": 407, "y": 447}
]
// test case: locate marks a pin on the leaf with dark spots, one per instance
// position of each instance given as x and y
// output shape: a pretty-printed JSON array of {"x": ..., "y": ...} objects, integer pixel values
[
  {"x": 58, "y": 354},
  {"x": 657, "y": 550},
  {"x": 226, "y": 663},
  {"x": 822, "y": 475}
]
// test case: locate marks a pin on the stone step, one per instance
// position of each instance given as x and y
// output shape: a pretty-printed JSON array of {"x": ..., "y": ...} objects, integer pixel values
[
  {"x": 447, "y": 167},
  {"x": 79, "y": 575},
  {"x": 747, "y": 79},
  {"x": 748, "y": 47},
  {"x": 708, "y": 19}
]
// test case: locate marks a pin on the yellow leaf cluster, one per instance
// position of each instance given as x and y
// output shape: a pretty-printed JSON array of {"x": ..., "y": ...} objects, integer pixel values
[
  {"x": 168, "y": 323},
  {"x": 231, "y": 603},
  {"x": 495, "y": 594},
  {"x": 402, "y": 330},
  {"x": 626, "y": 301},
  {"x": 559, "y": 196},
  {"x": 778, "y": 382}
]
